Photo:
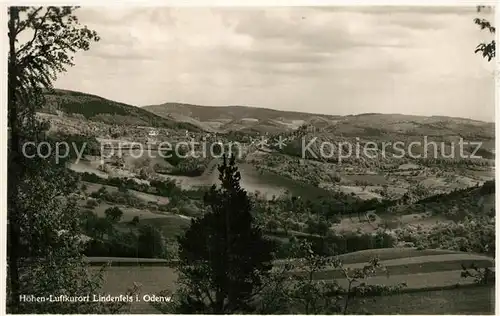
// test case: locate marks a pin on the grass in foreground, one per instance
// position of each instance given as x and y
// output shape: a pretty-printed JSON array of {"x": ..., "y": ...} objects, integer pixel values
[
  {"x": 479, "y": 300},
  {"x": 390, "y": 254},
  {"x": 411, "y": 269},
  {"x": 384, "y": 254}
]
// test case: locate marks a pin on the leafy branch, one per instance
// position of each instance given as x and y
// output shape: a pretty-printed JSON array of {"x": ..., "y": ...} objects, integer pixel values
[{"x": 487, "y": 50}]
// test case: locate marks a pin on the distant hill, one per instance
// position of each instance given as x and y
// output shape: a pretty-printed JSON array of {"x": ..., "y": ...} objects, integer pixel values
[
  {"x": 96, "y": 108},
  {"x": 253, "y": 120},
  {"x": 459, "y": 203},
  {"x": 417, "y": 125},
  {"x": 263, "y": 126},
  {"x": 237, "y": 118},
  {"x": 262, "y": 120},
  {"x": 232, "y": 112}
]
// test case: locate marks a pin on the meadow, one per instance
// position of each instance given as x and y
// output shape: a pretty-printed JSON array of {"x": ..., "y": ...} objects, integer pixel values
[{"x": 432, "y": 277}]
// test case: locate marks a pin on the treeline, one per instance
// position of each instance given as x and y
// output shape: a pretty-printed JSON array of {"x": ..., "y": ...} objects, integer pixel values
[
  {"x": 291, "y": 217},
  {"x": 185, "y": 166},
  {"x": 121, "y": 197},
  {"x": 165, "y": 188},
  {"x": 487, "y": 188},
  {"x": 336, "y": 204},
  {"x": 89, "y": 144},
  {"x": 454, "y": 162},
  {"x": 141, "y": 241},
  {"x": 97, "y": 108},
  {"x": 128, "y": 183},
  {"x": 334, "y": 244},
  {"x": 476, "y": 235}
]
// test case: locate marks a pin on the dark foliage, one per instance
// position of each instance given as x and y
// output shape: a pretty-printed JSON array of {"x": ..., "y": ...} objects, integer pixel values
[
  {"x": 223, "y": 254},
  {"x": 100, "y": 109},
  {"x": 151, "y": 243},
  {"x": 166, "y": 188},
  {"x": 487, "y": 50}
]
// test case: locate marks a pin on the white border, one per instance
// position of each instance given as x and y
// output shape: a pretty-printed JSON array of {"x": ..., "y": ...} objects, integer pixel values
[
  {"x": 3, "y": 157},
  {"x": 254, "y": 3}
]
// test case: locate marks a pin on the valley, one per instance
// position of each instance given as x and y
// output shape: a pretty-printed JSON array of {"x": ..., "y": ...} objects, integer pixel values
[
  {"x": 381, "y": 203},
  {"x": 329, "y": 160}
]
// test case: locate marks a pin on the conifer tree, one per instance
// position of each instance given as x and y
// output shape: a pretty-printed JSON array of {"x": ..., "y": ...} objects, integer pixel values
[{"x": 224, "y": 256}]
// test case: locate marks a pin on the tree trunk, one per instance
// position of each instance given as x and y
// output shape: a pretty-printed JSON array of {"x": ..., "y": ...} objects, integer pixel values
[
  {"x": 219, "y": 303},
  {"x": 348, "y": 296},
  {"x": 14, "y": 169}
]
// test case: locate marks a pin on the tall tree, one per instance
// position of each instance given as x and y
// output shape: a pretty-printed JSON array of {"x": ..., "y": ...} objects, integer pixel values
[
  {"x": 50, "y": 247},
  {"x": 151, "y": 243},
  {"x": 114, "y": 214},
  {"x": 223, "y": 254},
  {"x": 53, "y": 35}
]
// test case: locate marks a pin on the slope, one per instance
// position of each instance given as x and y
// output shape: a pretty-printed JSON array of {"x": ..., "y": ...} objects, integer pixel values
[
  {"x": 211, "y": 113},
  {"x": 442, "y": 271},
  {"x": 99, "y": 109}
]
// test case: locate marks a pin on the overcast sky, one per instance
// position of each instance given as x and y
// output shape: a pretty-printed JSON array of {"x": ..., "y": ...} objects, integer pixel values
[{"x": 320, "y": 60}]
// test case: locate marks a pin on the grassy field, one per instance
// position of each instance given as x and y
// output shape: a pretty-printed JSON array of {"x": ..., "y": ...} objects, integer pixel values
[
  {"x": 389, "y": 254},
  {"x": 420, "y": 269},
  {"x": 87, "y": 166},
  {"x": 352, "y": 223},
  {"x": 171, "y": 226},
  {"x": 413, "y": 272},
  {"x": 373, "y": 179},
  {"x": 94, "y": 187},
  {"x": 462, "y": 301},
  {"x": 364, "y": 194},
  {"x": 156, "y": 279},
  {"x": 129, "y": 213},
  {"x": 116, "y": 281},
  {"x": 384, "y": 254}
]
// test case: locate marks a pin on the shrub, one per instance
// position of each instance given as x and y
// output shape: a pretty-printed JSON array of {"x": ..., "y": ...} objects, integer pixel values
[
  {"x": 113, "y": 213},
  {"x": 91, "y": 203},
  {"x": 135, "y": 220},
  {"x": 151, "y": 243}
]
